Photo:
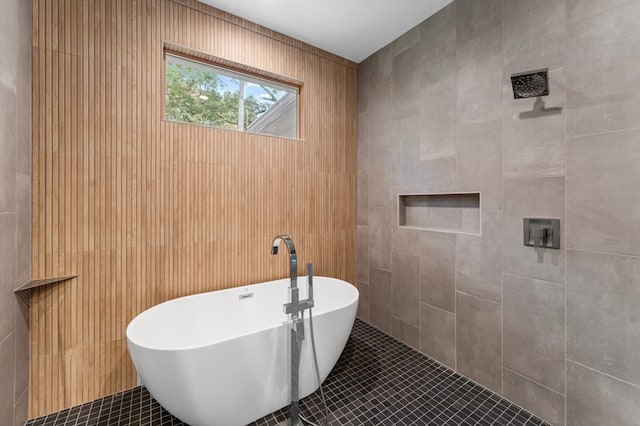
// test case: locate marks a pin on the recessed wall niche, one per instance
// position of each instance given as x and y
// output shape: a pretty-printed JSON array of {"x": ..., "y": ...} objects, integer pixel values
[{"x": 457, "y": 212}]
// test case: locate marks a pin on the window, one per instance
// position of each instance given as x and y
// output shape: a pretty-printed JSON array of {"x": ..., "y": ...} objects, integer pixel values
[{"x": 209, "y": 95}]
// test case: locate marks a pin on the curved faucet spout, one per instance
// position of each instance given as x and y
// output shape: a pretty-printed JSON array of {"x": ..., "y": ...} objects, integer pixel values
[{"x": 293, "y": 258}]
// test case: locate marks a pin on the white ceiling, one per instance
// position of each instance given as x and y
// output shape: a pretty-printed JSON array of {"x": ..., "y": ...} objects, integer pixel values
[{"x": 353, "y": 29}]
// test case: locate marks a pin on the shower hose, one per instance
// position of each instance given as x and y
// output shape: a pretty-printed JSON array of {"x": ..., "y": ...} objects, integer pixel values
[{"x": 315, "y": 363}]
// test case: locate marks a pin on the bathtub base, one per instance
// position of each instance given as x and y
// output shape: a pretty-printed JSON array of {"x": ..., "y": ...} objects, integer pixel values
[{"x": 236, "y": 378}]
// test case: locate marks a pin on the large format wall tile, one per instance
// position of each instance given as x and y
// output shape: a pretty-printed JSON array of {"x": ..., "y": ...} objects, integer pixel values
[
  {"x": 380, "y": 299},
  {"x": 381, "y": 68},
  {"x": 7, "y": 357},
  {"x": 438, "y": 36},
  {"x": 479, "y": 340},
  {"x": 438, "y": 174},
  {"x": 406, "y": 82},
  {"x": 578, "y": 10},
  {"x": 608, "y": 37},
  {"x": 363, "y": 302},
  {"x": 479, "y": 168},
  {"x": 438, "y": 33},
  {"x": 12, "y": 42},
  {"x": 406, "y": 41},
  {"x": 406, "y": 150},
  {"x": 364, "y": 84},
  {"x": 438, "y": 334},
  {"x": 381, "y": 319},
  {"x": 23, "y": 115},
  {"x": 362, "y": 194},
  {"x": 594, "y": 399},
  {"x": 379, "y": 177},
  {"x": 438, "y": 121},
  {"x": 534, "y": 135},
  {"x": 24, "y": 41},
  {"x": 599, "y": 99},
  {"x": 544, "y": 402},
  {"x": 380, "y": 238},
  {"x": 21, "y": 409},
  {"x": 362, "y": 254},
  {"x": 479, "y": 259},
  {"x": 405, "y": 240},
  {"x": 22, "y": 348},
  {"x": 380, "y": 116},
  {"x": 406, "y": 333},
  {"x": 603, "y": 300},
  {"x": 363, "y": 141},
  {"x": 435, "y": 71},
  {"x": 406, "y": 288},
  {"x": 23, "y": 229},
  {"x": 603, "y": 202},
  {"x": 437, "y": 269},
  {"x": 534, "y": 330},
  {"x": 380, "y": 287},
  {"x": 534, "y": 35},
  {"x": 479, "y": 74},
  {"x": 7, "y": 150},
  {"x": 539, "y": 197},
  {"x": 476, "y": 17},
  {"x": 603, "y": 64},
  {"x": 7, "y": 273}
]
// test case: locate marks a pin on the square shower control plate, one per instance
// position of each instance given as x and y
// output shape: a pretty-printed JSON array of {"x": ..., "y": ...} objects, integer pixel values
[{"x": 543, "y": 233}]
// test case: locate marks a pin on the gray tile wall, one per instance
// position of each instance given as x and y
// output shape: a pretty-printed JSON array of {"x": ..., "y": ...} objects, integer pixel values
[
  {"x": 556, "y": 331},
  {"x": 15, "y": 207}
]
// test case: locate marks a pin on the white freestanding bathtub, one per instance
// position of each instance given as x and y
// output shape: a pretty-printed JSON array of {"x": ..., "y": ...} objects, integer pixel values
[{"x": 222, "y": 358}]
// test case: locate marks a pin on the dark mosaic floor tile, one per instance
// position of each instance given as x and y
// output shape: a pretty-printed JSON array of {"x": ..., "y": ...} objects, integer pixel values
[{"x": 377, "y": 381}]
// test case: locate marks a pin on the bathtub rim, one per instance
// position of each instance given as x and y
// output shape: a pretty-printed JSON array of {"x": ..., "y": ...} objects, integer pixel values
[{"x": 353, "y": 300}]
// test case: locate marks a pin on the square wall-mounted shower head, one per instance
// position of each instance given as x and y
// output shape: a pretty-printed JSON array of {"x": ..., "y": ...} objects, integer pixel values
[{"x": 530, "y": 84}]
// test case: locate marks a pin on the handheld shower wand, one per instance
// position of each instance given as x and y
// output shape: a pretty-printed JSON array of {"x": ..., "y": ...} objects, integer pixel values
[{"x": 310, "y": 282}]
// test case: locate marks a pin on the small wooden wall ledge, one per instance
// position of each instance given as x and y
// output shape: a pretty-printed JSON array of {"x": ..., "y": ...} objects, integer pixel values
[{"x": 42, "y": 282}]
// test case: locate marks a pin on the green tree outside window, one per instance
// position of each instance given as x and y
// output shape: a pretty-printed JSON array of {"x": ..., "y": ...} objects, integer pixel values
[{"x": 198, "y": 94}]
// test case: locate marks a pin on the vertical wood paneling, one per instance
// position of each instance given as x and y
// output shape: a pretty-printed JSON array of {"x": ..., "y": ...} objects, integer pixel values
[{"x": 145, "y": 210}]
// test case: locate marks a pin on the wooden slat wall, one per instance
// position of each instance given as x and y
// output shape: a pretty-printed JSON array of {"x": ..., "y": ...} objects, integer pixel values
[{"x": 146, "y": 210}]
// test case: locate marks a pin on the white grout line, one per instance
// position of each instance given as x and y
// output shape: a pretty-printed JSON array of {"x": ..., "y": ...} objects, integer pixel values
[
  {"x": 8, "y": 335},
  {"x": 632, "y": 256},
  {"x": 529, "y": 379},
  {"x": 606, "y": 132},
  {"x": 533, "y": 279},
  {"x": 603, "y": 373},
  {"x": 478, "y": 297}
]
